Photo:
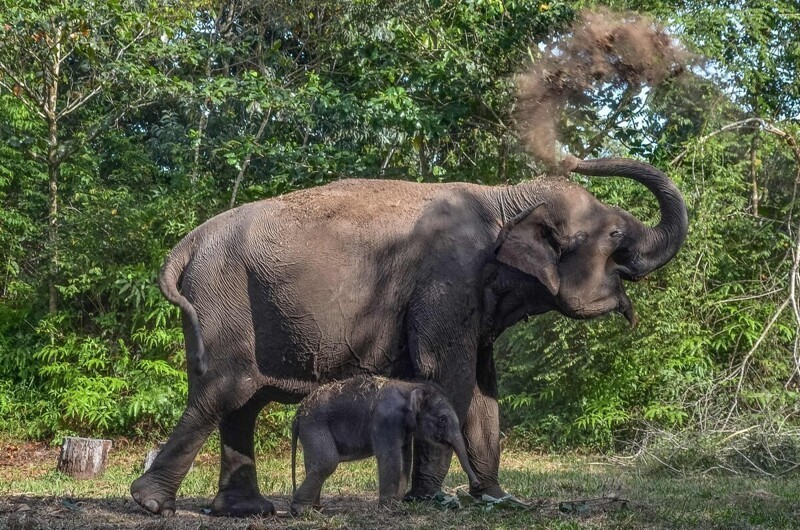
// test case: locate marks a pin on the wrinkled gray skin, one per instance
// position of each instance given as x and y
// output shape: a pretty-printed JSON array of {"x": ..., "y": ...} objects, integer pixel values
[
  {"x": 365, "y": 416},
  {"x": 402, "y": 279}
]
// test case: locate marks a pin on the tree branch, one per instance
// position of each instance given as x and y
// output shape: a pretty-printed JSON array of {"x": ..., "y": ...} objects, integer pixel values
[
  {"x": 78, "y": 103},
  {"x": 72, "y": 146},
  {"x": 749, "y": 123},
  {"x": 247, "y": 158},
  {"x": 611, "y": 123},
  {"x": 37, "y": 109}
]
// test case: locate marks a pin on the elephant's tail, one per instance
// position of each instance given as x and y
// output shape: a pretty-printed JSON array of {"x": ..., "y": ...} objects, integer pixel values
[
  {"x": 169, "y": 281},
  {"x": 295, "y": 430}
]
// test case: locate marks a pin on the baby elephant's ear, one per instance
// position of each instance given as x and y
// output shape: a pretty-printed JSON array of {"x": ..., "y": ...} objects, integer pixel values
[
  {"x": 415, "y": 401},
  {"x": 414, "y": 406}
]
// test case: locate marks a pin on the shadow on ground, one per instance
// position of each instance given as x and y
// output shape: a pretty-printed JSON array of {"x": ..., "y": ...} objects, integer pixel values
[{"x": 67, "y": 513}]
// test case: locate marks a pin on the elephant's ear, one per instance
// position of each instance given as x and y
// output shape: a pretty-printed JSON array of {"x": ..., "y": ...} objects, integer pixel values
[
  {"x": 523, "y": 245},
  {"x": 415, "y": 400}
]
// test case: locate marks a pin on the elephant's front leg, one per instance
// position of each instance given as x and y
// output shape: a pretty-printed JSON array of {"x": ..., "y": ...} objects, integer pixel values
[
  {"x": 481, "y": 430},
  {"x": 431, "y": 462},
  {"x": 408, "y": 446},
  {"x": 390, "y": 472},
  {"x": 442, "y": 350},
  {"x": 239, "y": 495}
]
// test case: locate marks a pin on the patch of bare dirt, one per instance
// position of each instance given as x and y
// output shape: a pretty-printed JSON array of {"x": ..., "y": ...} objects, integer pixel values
[
  {"x": 34, "y": 513},
  {"x": 26, "y": 459},
  {"x": 39, "y": 513}
]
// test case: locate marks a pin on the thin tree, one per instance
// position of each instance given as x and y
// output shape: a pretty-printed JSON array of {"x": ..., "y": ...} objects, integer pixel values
[{"x": 59, "y": 58}]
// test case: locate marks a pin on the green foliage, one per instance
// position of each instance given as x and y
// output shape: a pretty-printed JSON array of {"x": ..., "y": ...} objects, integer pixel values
[
  {"x": 599, "y": 383},
  {"x": 274, "y": 429},
  {"x": 187, "y": 108},
  {"x": 163, "y": 113}
]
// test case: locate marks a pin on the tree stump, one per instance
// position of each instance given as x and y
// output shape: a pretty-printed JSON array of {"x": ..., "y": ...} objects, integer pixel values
[
  {"x": 151, "y": 456},
  {"x": 83, "y": 457}
]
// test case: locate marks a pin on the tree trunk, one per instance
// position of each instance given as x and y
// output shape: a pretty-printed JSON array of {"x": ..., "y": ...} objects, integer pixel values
[
  {"x": 248, "y": 157},
  {"x": 754, "y": 195},
  {"x": 52, "y": 236},
  {"x": 201, "y": 129},
  {"x": 83, "y": 457},
  {"x": 51, "y": 76},
  {"x": 502, "y": 166}
]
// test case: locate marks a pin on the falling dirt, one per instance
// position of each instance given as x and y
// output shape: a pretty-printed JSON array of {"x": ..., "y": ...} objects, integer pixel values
[{"x": 602, "y": 47}]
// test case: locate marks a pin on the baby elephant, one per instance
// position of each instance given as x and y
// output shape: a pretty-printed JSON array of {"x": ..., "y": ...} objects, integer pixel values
[{"x": 362, "y": 416}]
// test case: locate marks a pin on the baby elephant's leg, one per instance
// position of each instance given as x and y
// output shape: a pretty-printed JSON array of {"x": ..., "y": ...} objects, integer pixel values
[
  {"x": 407, "y": 459},
  {"x": 321, "y": 459},
  {"x": 390, "y": 471}
]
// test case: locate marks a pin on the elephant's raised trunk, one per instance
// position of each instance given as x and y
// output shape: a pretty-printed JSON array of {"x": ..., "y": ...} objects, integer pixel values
[{"x": 650, "y": 247}]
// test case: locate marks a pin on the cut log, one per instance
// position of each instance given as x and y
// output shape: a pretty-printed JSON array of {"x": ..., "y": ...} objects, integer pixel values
[
  {"x": 83, "y": 457},
  {"x": 151, "y": 456}
]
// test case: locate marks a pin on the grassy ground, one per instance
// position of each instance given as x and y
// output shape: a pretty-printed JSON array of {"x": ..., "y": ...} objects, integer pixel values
[{"x": 563, "y": 492}]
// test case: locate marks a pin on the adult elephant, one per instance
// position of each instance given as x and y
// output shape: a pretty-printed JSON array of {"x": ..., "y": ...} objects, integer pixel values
[{"x": 388, "y": 277}]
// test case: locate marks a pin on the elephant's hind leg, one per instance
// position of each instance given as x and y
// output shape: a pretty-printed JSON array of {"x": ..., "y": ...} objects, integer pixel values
[
  {"x": 239, "y": 495},
  {"x": 156, "y": 489},
  {"x": 321, "y": 459},
  {"x": 211, "y": 398}
]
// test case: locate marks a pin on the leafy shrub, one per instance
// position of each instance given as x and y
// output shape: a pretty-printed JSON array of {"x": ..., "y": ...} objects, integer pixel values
[{"x": 26, "y": 412}]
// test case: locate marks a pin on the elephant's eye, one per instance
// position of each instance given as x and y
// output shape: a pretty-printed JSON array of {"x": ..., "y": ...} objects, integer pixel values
[
  {"x": 442, "y": 420},
  {"x": 616, "y": 233}
]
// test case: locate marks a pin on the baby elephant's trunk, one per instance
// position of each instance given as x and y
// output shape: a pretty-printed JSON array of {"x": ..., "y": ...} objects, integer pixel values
[{"x": 461, "y": 453}]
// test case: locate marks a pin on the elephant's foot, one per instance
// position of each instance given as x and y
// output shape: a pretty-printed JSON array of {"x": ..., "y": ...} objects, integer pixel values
[
  {"x": 299, "y": 509},
  {"x": 231, "y": 503},
  {"x": 152, "y": 497},
  {"x": 420, "y": 494},
  {"x": 389, "y": 501},
  {"x": 492, "y": 491}
]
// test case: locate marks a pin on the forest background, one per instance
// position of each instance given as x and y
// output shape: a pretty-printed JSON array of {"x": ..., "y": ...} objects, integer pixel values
[{"x": 123, "y": 125}]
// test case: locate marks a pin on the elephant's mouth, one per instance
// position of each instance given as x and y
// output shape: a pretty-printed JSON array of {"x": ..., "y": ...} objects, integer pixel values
[
  {"x": 576, "y": 308},
  {"x": 582, "y": 310}
]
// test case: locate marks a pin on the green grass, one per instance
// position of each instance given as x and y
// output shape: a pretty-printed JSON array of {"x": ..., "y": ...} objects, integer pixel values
[{"x": 652, "y": 500}]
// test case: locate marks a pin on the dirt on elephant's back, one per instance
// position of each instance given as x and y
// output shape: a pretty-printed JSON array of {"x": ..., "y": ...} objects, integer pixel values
[{"x": 358, "y": 201}]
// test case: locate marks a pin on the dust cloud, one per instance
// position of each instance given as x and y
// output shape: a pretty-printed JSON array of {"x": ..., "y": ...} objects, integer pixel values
[{"x": 602, "y": 47}]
